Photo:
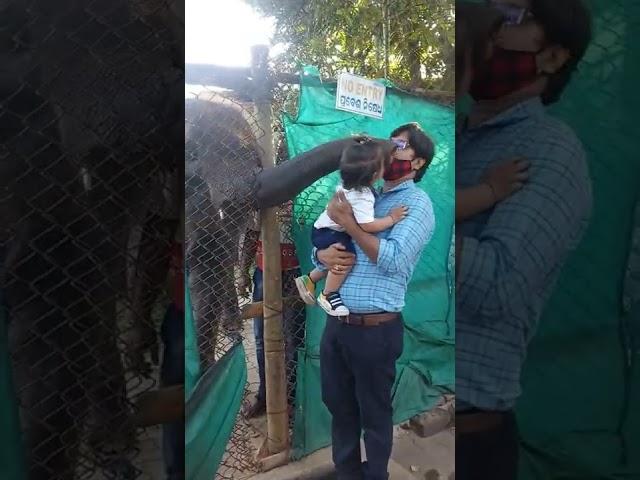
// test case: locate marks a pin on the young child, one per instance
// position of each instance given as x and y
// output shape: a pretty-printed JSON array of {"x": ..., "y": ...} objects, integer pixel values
[
  {"x": 360, "y": 166},
  {"x": 475, "y": 27}
]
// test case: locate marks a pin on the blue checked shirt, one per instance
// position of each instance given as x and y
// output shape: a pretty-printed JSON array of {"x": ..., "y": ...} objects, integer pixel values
[
  {"x": 512, "y": 255},
  {"x": 374, "y": 287}
]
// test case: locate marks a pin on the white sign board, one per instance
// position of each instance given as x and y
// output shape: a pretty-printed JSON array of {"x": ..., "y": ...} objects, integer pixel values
[{"x": 360, "y": 95}]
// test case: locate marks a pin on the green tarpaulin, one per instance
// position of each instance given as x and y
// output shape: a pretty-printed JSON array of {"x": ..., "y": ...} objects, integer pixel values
[
  {"x": 426, "y": 368},
  {"x": 11, "y": 454},
  {"x": 212, "y": 403},
  {"x": 581, "y": 373}
]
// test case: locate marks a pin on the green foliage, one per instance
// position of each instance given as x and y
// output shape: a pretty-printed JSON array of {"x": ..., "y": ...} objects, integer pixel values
[{"x": 343, "y": 35}]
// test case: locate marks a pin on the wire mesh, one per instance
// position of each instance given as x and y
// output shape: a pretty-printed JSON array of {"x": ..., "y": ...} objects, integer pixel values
[
  {"x": 89, "y": 189},
  {"x": 224, "y": 252},
  {"x": 221, "y": 162}
]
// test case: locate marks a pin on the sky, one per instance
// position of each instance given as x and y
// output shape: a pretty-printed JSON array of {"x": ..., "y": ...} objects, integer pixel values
[{"x": 221, "y": 32}]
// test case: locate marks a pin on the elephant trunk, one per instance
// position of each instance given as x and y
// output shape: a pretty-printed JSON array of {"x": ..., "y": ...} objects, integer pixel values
[{"x": 281, "y": 183}]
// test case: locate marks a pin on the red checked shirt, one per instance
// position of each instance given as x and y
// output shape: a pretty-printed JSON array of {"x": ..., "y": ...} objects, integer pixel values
[{"x": 288, "y": 255}]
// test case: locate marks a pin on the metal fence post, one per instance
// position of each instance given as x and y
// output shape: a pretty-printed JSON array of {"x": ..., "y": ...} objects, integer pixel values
[{"x": 276, "y": 383}]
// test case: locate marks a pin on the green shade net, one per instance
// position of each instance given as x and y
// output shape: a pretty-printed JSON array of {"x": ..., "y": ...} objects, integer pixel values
[
  {"x": 582, "y": 372},
  {"x": 578, "y": 414},
  {"x": 191, "y": 353},
  {"x": 426, "y": 369},
  {"x": 12, "y": 466},
  {"x": 212, "y": 403}
]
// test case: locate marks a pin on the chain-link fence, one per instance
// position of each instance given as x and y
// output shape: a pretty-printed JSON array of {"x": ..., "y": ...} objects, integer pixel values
[
  {"x": 221, "y": 162},
  {"x": 225, "y": 256},
  {"x": 90, "y": 195}
]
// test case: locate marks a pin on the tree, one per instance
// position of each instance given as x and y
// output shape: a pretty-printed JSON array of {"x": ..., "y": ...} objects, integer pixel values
[{"x": 412, "y": 41}]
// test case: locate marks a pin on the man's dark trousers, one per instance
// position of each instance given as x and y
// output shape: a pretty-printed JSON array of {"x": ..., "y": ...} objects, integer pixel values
[
  {"x": 489, "y": 453},
  {"x": 357, "y": 366}
]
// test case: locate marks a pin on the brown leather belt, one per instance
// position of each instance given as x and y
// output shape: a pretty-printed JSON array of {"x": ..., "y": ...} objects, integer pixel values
[
  {"x": 475, "y": 422},
  {"x": 368, "y": 319}
]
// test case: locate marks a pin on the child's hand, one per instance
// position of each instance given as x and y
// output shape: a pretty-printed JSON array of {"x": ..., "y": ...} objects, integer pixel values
[
  {"x": 507, "y": 178},
  {"x": 398, "y": 213},
  {"x": 339, "y": 209}
]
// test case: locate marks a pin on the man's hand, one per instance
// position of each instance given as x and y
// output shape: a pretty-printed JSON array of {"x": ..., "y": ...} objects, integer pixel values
[
  {"x": 336, "y": 259},
  {"x": 244, "y": 284},
  {"x": 340, "y": 211}
]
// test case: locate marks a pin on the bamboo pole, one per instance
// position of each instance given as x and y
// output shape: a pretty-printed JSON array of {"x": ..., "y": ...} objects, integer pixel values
[{"x": 276, "y": 382}]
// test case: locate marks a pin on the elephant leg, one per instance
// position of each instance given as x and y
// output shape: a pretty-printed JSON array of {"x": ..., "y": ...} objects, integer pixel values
[
  {"x": 52, "y": 402},
  {"x": 110, "y": 432},
  {"x": 233, "y": 225},
  {"x": 152, "y": 267},
  {"x": 203, "y": 297},
  {"x": 155, "y": 259}
]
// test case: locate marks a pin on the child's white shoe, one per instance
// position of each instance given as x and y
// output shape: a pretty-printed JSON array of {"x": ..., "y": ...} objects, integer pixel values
[{"x": 332, "y": 304}]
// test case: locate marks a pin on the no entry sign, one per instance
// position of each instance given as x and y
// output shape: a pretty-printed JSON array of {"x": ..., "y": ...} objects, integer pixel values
[{"x": 360, "y": 95}]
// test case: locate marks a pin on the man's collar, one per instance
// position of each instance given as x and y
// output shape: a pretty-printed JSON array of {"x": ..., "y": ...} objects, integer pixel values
[
  {"x": 401, "y": 186},
  {"x": 531, "y": 107}
]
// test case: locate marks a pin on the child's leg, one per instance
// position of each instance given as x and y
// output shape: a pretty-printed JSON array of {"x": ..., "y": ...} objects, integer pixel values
[
  {"x": 317, "y": 275},
  {"x": 333, "y": 283},
  {"x": 330, "y": 299}
]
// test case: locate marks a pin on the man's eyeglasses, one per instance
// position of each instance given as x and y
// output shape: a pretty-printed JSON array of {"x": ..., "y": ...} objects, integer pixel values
[
  {"x": 400, "y": 143},
  {"x": 513, "y": 15}
]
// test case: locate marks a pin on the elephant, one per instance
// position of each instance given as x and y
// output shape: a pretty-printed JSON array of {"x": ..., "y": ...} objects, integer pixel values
[
  {"x": 126, "y": 140},
  {"x": 91, "y": 181},
  {"x": 224, "y": 186}
]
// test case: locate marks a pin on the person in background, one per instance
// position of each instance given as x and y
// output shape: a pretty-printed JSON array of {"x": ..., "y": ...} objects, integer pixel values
[{"x": 293, "y": 314}]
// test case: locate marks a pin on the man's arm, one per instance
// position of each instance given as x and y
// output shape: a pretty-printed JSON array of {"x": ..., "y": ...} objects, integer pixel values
[
  {"x": 400, "y": 250},
  {"x": 527, "y": 236},
  {"x": 368, "y": 243},
  {"x": 334, "y": 258}
]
